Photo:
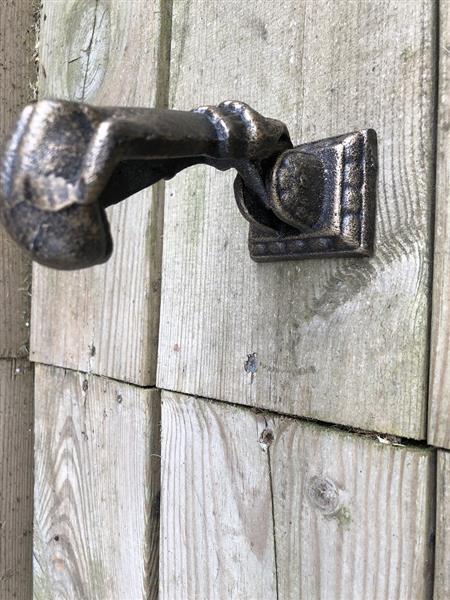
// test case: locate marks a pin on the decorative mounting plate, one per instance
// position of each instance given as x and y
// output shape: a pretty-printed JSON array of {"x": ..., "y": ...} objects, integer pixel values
[{"x": 345, "y": 226}]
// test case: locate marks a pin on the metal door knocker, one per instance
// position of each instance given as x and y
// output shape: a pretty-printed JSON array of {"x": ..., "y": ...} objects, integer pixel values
[{"x": 66, "y": 162}]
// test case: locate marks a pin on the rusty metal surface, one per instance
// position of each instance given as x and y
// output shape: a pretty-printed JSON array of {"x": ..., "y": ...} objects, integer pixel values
[{"x": 66, "y": 162}]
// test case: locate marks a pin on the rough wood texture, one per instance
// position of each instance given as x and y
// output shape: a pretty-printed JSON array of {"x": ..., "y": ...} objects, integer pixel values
[
  {"x": 354, "y": 518},
  {"x": 105, "y": 319},
  {"x": 16, "y": 479},
  {"x": 442, "y": 566},
  {"x": 17, "y": 39},
  {"x": 338, "y": 340},
  {"x": 216, "y": 521},
  {"x": 439, "y": 413},
  {"x": 97, "y": 488},
  {"x": 266, "y": 507}
]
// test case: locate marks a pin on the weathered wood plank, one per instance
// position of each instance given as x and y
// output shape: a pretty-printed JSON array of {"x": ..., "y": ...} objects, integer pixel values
[
  {"x": 17, "y": 40},
  {"x": 16, "y": 479},
  {"x": 442, "y": 567},
  {"x": 105, "y": 319},
  {"x": 338, "y": 340},
  {"x": 353, "y": 517},
  {"x": 97, "y": 449},
  {"x": 96, "y": 488},
  {"x": 439, "y": 413},
  {"x": 216, "y": 521}
]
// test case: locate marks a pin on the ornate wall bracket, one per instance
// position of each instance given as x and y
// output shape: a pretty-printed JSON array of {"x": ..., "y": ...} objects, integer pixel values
[
  {"x": 325, "y": 191},
  {"x": 66, "y": 162}
]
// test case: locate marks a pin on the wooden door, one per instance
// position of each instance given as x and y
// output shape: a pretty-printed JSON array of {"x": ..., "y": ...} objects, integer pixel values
[{"x": 298, "y": 439}]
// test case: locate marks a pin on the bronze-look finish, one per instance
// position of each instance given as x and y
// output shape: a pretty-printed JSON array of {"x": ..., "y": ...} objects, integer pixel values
[{"x": 66, "y": 162}]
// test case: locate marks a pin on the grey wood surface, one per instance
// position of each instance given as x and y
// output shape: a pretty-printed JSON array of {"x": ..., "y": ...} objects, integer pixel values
[
  {"x": 17, "y": 74},
  {"x": 256, "y": 506},
  {"x": 216, "y": 522},
  {"x": 97, "y": 439},
  {"x": 253, "y": 505},
  {"x": 442, "y": 567},
  {"x": 96, "y": 526},
  {"x": 344, "y": 340},
  {"x": 354, "y": 515},
  {"x": 439, "y": 411},
  {"x": 105, "y": 319}
]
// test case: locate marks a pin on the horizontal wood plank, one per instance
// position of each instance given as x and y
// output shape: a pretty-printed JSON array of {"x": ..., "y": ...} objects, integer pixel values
[
  {"x": 439, "y": 411},
  {"x": 96, "y": 527},
  {"x": 352, "y": 515},
  {"x": 341, "y": 340},
  {"x": 105, "y": 319}
]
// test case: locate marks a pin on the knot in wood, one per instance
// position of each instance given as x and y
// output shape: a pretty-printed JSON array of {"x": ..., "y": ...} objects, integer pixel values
[{"x": 324, "y": 494}]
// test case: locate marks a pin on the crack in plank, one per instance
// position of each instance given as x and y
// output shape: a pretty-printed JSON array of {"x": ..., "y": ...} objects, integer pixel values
[
  {"x": 88, "y": 52},
  {"x": 273, "y": 516}
]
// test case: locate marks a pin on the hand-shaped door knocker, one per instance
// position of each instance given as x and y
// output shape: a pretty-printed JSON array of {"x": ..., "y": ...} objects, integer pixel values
[{"x": 67, "y": 162}]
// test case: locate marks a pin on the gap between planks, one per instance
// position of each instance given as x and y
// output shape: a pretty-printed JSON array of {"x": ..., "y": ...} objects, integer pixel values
[
  {"x": 199, "y": 436},
  {"x": 384, "y": 438}
]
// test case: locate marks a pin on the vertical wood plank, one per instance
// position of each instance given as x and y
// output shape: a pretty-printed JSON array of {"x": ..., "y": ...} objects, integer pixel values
[
  {"x": 16, "y": 479},
  {"x": 97, "y": 488},
  {"x": 352, "y": 516},
  {"x": 105, "y": 319},
  {"x": 340, "y": 340},
  {"x": 442, "y": 567},
  {"x": 17, "y": 72},
  {"x": 439, "y": 412},
  {"x": 97, "y": 440},
  {"x": 216, "y": 520}
]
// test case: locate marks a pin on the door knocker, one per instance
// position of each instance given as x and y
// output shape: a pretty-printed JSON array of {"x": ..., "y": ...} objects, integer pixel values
[{"x": 66, "y": 162}]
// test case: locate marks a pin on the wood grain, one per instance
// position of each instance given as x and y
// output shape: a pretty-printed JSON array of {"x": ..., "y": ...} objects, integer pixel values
[
  {"x": 97, "y": 488},
  {"x": 343, "y": 340},
  {"x": 216, "y": 521},
  {"x": 17, "y": 40},
  {"x": 354, "y": 517},
  {"x": 17, "y": 71},
  {"x": 105, "y": 319},
  {"x": 256, "y": 506},
  {"x": 439, "y": 411},
  {"x": 16, "y": 479},
  {"x": 442, "y": 567}
]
